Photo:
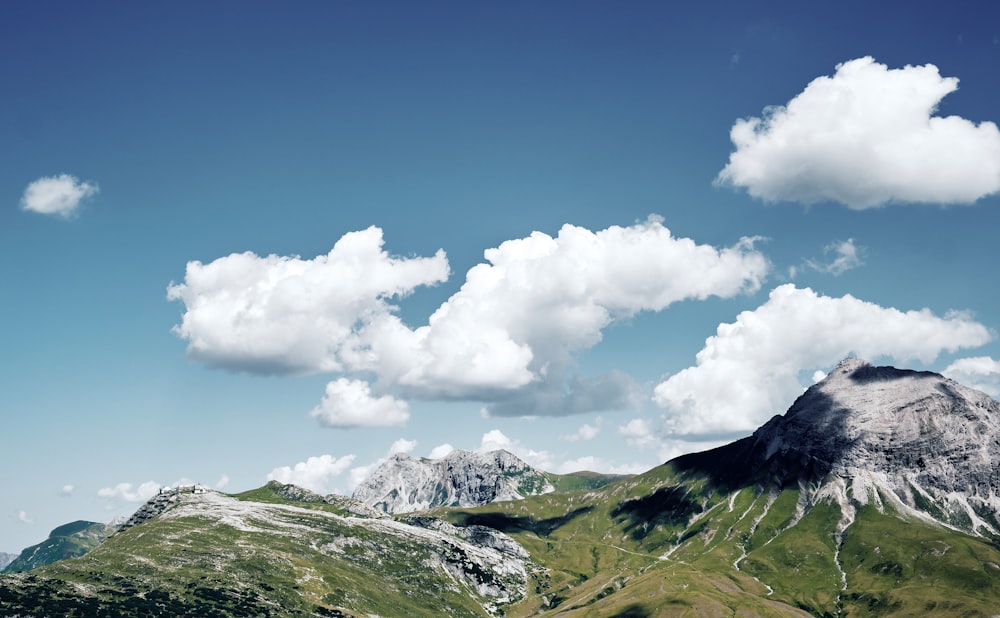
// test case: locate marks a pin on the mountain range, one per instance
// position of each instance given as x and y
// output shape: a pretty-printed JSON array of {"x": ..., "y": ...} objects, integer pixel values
[
  {"x": 875, "y": 494},
  {"x": 404, "y": 484}
]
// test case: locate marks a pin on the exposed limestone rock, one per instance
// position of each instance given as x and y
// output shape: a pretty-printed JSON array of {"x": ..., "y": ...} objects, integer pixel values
[
  {"x": 405, "y": 484},
  {"x": 925, "y": 443}
]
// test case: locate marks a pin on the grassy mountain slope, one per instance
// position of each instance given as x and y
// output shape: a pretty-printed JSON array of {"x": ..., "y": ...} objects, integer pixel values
[
  {"x": 684, "y": 543},
  {"x": 66, "y": 541},
  {"x": 219, "y": 556}
]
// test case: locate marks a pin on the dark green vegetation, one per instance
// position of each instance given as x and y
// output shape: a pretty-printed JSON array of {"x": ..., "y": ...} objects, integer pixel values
[
  {"x": 680, "y": 540},
  {"x": 66, "y": 541}
]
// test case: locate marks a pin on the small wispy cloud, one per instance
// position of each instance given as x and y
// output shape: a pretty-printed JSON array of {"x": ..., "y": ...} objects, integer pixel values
[
  {"x": 59, "y": 195},
  {"x": 222, "y": 482},
  {"x": 22, "y": 516},
  {"x": 638, "y": 433},
  {"x": 584, "y": 433},
  {"x": 130, "y": 493},
  {"x": 67, "y": 490},
  {"x": 842, "y": 257}
]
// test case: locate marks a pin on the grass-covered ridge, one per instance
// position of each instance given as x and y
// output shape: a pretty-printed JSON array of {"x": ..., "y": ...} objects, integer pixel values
[{"x": 220, "y": 556}]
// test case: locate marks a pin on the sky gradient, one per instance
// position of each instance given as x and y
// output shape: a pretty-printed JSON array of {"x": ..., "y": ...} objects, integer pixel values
[{"x": 244, "y": 241}]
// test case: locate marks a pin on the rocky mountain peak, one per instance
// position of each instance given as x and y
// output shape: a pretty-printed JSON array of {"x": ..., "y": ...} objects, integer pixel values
[
  {"x": 404, "y": 483},
  {"x": 914, "y": 437}
]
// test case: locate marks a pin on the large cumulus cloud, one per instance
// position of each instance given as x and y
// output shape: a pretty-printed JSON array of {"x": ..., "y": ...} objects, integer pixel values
[
  {"x": 864, "y": 137},
  {"x": 749, "y": 370},
  {"x": 508, "y": 337},
  {"x": 286, "y": 315},
  {"x": 509, "y": 334}
]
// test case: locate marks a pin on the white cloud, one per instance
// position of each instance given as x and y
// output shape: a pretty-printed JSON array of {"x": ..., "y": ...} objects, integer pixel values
[
  {"x": 598, "y": 464},
  {"x": 644, "y": 434},
  {"x": 67, "y": 490},
  {"x": 518, "y": 321},
  {"x": 846, "y": 255},
  {"x": 349, "y": 403},
  {"x": 639, "y": 433},
  {"x": 57, "y": 195},
  {"x": 509, "y": 337},
  {"x": 978, "y": 372},
  {"x": 402, "y": 445},
  {"x": 865, "y": 137},
  {"x": 126, "y": 492},
  {"x": 750, "y": 369},
  {"x": 222, "y": 482},
  {"x": 440, "y": 451},
  {"x": 495, "y": 440},
  {"x": 22, "y": 516},
  {"x": 544, "y": 460},
  {"x": 286, "y": 315},
  {"x": 584, "y": 433},
  {"x": 315, "y": 474}
]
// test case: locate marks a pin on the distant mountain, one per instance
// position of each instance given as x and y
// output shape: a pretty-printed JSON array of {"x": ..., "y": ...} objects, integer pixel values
[
  {"x": 403, "y": 484},
  {"x": 6, "y": 559},
  {"x": 874, "y": 495},
  {"x": 66, "y": 541}
]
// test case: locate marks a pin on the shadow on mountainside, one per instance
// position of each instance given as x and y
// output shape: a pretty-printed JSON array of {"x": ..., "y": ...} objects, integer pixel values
[
  {"x": 803, "y": 445},
  {"x": 869, "y": 373},
  {"x": 666, "y": 505},
  {"x": 511, "y": 523}
]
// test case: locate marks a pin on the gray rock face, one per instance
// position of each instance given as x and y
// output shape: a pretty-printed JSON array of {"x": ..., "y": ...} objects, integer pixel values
[
  {"x": 917, "y": 439},
  {"x": 404, "y": 484}
]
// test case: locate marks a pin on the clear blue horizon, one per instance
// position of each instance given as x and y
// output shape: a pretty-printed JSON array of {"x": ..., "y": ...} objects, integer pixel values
[{"x": 194, "y": 196}]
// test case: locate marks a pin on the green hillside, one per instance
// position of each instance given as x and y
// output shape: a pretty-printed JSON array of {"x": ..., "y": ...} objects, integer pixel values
[
  {"x": 667, "y": 543},
  {"x": 67, "y": 541},
  {"x": 675, "y": 541}
]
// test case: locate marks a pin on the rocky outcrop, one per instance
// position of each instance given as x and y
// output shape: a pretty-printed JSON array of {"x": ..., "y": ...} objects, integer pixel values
[
  {"x": 404, "y": 484},
  {"x": 153, "y": 507},
  {"x": 345, "y": 505},
  {"x": 6, "y": 559}
]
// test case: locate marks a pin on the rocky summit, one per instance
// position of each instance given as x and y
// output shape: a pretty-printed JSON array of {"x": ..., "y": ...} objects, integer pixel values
[
  {"x": 867, "y": 434},
  {"x": 404, "y": 484}
]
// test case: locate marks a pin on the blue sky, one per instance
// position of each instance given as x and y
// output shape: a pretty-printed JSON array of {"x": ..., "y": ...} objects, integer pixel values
[{"x": 140, "y": 138}]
